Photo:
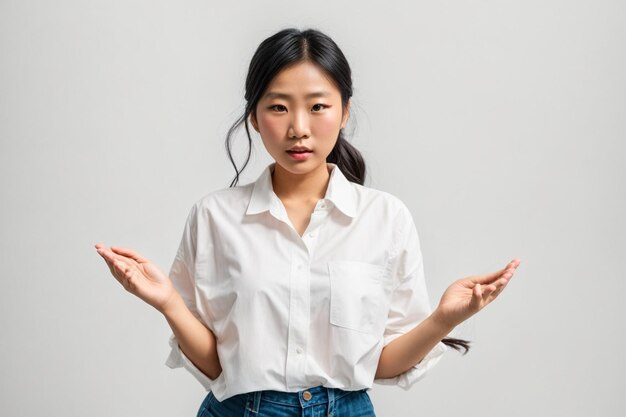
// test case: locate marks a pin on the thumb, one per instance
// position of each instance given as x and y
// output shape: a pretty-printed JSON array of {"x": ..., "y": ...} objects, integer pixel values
[
  {"x": 477, "y": 295},
  {"x": 153, "y": 271}
]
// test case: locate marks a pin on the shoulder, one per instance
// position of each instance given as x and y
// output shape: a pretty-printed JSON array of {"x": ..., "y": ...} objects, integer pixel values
[
  {"x": 228, "y": 199},
  {"x": 385, "y": 203},
  {"x": 226, "y": 196}
]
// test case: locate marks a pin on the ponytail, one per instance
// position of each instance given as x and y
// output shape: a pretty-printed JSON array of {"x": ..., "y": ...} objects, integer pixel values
[
  {"x": 457, "y": 344},
  {"x": 348, "y": 159}
]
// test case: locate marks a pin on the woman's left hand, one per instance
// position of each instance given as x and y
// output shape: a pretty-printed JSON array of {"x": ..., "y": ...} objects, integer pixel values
[{"x": 467, "y": 296}]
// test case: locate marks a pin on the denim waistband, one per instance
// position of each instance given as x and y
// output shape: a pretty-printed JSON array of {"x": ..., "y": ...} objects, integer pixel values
[{"x": 303, "y": 398}]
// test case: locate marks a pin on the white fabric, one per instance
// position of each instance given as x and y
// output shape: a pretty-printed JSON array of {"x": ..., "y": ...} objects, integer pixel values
[{"x": 293, "y": 312}]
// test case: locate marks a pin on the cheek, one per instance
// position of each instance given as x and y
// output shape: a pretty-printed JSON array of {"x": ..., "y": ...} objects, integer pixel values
[
  {"x": 271, "y": 126},
  {"x": 327, "y": 124}
]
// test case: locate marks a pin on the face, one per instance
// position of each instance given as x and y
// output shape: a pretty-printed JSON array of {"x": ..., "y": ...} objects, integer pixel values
[{"x": 301, "y": 107}]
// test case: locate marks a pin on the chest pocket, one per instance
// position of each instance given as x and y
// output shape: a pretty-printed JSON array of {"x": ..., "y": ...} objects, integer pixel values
[{"x": 359, "y": 296}]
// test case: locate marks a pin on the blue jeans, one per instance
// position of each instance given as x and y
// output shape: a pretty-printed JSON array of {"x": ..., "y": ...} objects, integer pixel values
[{"x": 312, "y": 402}]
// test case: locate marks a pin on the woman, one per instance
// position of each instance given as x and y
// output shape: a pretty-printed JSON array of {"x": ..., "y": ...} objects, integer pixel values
[{"x": 290, "y": 295}]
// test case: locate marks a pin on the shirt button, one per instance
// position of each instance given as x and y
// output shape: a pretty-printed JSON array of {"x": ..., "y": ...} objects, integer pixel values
[
  {"x": 311, "y": 234},
  {"x": 299, "y": 267},
  {"x": 307, "y": 395},
  {"x": 323, "y": 205},
  {"x": 299, "y": 350}
]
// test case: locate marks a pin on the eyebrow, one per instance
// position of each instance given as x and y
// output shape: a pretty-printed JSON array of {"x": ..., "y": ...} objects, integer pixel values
[{"x": 275, "y": 94}]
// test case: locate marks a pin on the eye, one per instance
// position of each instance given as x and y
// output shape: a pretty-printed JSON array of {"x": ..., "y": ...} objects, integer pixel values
[
  {"x": 278, "y": 107},
  {"x": 321, "y": 106}
]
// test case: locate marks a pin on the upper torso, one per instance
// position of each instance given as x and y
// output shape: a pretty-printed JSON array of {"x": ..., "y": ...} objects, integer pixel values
[{"x": 295, "y": 305}]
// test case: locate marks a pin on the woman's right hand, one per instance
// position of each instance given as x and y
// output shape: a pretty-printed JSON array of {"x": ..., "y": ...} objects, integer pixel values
[{"x": 139, "y": 276}]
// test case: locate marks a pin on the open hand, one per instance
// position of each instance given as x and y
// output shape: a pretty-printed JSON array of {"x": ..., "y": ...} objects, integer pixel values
[
  {"x": 467, "y": 296},
  {"x": 138, "y": 275}
]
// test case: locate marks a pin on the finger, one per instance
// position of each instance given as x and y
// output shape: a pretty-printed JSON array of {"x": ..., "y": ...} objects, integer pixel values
[
  {"x": 104, "y": 252},
  {"x": 500, "y": 285},
  {"x": 129, "y": 253},
  {"x": 497, "y": 291},
  {"x": 111, "y": 256},
  {"x": 507, "y": 275},
  {"x": 101, "y": 251},
  {"x": 489, "y": 278},
  {"x": 110, "y": 265},
  {"x": 501, "y": 282},
  {"x": 477, "y": 295},
  {"x": 124, "y": 274},
  {"x": 487, "y": 291},
  {"x": 122, "y": 268},
  {"x": 511, "y": 267},
  {"x": 129, "y": 278}
]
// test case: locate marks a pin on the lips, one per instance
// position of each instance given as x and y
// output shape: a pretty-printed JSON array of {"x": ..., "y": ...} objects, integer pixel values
[
  {"x": 299, "y": 155},
  {"x": 299, "y": 149}
]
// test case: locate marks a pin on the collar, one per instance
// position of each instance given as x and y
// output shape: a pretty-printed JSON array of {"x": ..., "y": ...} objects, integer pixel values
[{"x": 340, "y": 192}]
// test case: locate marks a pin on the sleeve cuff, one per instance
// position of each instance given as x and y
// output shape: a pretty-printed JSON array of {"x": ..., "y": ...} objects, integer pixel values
[
  {"x": 406, "y": 379},
  {"x": 178, "y": 359}
]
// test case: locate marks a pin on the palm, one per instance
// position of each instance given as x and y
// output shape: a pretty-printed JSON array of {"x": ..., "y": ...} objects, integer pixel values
[
  {"x": 138, "y": 275},
  {"x": 467, "y": 296}
]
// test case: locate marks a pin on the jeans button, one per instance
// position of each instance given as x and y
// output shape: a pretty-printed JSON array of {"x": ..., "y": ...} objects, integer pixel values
[{"x": 307, "y": 395}]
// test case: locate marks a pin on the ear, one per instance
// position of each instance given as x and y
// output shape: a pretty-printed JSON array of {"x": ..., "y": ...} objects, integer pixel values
[
  {"x": 253, "y": 120},
  {"x": 346, "y": 114}
]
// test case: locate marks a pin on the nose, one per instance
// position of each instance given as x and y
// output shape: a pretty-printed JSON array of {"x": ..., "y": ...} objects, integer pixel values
[{"x": 299, "y": 126}]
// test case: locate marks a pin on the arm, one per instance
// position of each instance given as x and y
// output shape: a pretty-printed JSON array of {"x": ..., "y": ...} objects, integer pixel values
[
  {"x": 464, "y": 298},
  {"x": 194, "y": 340},
  {"x": 412, "y": 339},
  {"x": 408, "y": 350},
  {"x": 413, "y": 333}
]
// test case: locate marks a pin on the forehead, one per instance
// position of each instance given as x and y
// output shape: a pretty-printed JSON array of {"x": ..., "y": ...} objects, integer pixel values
[{"x": 302, "y": 79}]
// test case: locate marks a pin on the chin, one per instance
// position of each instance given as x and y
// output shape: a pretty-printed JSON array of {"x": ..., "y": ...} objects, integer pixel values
[{"x": 299, "y": 167}]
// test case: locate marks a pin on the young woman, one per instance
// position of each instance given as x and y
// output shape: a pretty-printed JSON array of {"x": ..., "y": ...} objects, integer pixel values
[{"x": 291, "y": 295}]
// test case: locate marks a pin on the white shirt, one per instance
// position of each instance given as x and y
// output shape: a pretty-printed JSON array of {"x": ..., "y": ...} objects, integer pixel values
[{"x": 292, "y": 312}]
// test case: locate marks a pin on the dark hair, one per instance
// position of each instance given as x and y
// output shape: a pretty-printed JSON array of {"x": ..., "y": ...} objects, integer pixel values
[{"x": 292, "y": 46}]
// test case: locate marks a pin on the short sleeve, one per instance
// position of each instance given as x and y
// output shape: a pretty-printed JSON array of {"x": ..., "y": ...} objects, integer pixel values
[
  {"x": 410, "y": 303},
  {"x": 183, "y": 278}
]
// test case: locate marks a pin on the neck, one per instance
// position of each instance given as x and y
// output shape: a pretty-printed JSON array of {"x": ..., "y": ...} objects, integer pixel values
[{"x": 308, "y": 187}]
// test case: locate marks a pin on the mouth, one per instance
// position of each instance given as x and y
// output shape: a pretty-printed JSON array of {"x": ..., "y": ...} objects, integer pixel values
[
  {"x": 299, "y": 149},
  {"x": 300, "y": 155}
]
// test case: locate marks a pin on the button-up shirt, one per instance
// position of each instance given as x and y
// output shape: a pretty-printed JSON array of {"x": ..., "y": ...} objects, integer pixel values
[{"x": 291, "y": 312}]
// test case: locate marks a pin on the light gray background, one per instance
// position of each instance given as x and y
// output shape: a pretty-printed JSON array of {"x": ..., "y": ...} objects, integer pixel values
[{"x": 499, "y": 123}]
